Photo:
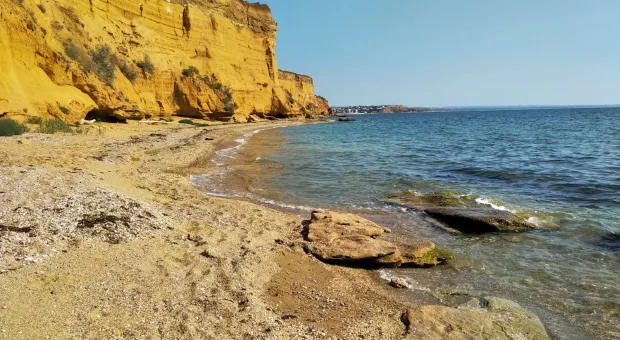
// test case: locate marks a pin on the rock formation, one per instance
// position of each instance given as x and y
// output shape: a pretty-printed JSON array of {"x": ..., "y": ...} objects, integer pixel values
[
  {"x": 208, "y": 59},
  {"x": 462, "y": 213},
  {"x": 484, "y": 318},
  {"x": 347, "y": 238}
]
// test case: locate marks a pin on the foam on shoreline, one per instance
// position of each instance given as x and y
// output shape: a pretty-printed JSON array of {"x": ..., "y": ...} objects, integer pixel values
[{"x": 231, "y": 152}]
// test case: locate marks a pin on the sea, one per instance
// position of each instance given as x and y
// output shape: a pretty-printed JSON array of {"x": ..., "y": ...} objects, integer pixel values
[{"x": 560, "y": 167}]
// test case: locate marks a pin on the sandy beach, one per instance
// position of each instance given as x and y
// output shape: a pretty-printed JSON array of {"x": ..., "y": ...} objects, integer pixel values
[{"x": 104, "y": 237}]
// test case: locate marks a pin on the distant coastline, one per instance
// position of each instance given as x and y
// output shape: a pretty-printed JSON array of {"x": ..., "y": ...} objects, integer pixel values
[
  {"x": 373, "y": 109},
  {"x": 367, "y": 109}
]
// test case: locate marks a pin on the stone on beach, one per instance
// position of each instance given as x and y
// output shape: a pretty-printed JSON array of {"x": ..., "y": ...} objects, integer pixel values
[
  {"x": 327, "y": 226},
  {"x": 347, "y": 238},
  {"x": 396, "y": 283},
  {"x": 354, "y": 248}
]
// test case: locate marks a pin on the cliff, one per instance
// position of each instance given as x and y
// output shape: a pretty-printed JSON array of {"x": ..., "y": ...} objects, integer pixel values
[
  {"x": 121, "y": 59},
  {"x": 299, "y": 90}
]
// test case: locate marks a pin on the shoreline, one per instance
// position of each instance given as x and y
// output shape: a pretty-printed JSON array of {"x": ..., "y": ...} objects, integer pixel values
[{"x": 121, "y": 245}]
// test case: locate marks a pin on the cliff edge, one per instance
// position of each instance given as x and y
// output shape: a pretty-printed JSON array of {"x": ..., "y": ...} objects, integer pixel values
[{"x": 121, "y": 59}]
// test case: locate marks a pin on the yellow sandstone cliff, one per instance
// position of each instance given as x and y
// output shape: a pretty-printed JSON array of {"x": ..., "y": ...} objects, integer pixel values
[{"x": 122, "y": 59}]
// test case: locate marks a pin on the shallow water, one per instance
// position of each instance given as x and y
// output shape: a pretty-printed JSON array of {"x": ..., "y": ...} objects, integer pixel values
[{"x": 561, "y": 167}]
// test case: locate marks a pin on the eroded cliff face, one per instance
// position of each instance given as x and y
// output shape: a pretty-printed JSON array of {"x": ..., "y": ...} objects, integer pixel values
[
  {"x": 133, "y": 59},
  {"x": 299, "y": 91}
]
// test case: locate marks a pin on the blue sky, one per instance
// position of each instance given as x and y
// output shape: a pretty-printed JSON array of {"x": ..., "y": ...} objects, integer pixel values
[{"x": 454, "y": 52}]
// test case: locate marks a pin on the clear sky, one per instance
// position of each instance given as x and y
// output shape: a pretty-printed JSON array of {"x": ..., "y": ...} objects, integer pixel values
[{"x": 453, "y": 52}]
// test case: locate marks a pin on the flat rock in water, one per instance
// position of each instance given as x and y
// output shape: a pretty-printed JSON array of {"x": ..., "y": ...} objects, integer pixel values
[
  {"x": 478, "y": 220},
  {"x": 611, "y": 242},
  {"x": 463, "y": 213},
  {"x": 348, "y": 238},
  {"x": 486, "y": 318}
]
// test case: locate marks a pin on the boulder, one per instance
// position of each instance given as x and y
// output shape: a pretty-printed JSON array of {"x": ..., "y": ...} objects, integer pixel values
[
  {"x": 479, "y": 220},
  {"x": 239, "y": 118},
  {"x": 485, "y": 318},
  {"x": 348, "y": 238},
  {"x": 355, "y": 248},
  {"x": 326, "y": 226},
  {"x": 420, "y": 253},
  {"x": 396, "y": 283},
  {"x": 127, "y": 112},
  {"x": 462, "y": 213}
]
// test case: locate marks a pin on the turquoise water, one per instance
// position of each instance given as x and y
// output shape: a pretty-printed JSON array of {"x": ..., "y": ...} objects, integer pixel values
[{"x": 561, "y": 167}]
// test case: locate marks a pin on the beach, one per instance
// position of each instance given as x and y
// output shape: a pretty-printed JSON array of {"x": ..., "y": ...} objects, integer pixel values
[
  {"x": 155, "y": 282},
  {"x": 105, "y": 237}
]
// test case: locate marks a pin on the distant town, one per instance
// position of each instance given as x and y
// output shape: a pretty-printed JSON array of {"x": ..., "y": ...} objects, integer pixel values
[{"x": 362, "y": 109}]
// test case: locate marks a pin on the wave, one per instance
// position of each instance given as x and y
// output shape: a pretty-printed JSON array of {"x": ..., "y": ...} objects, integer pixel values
[
  {"x": 228, "y": 153},
  {"x": 409, "y": 283},
  {"x": 486, "y": 201}
]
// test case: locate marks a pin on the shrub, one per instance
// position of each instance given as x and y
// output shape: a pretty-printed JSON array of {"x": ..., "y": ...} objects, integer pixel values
[
  {"x": 69, "y": 12},
  {"x": 51, "y": 126},
  {"x": 190, "y": 72},
  {"x": 10, "y": 127},
  {"x": 223, "y": 92},
  {"x": 34, "y": 120},
  {"x": 42, "y": 8},
  {"x": 226, "y": 95},
  {"x": 65, "y": 110},
  {"x": 215, "y": 85},
  {"x": 129, "y": 71},
  {"x": 191, "y": 122},
  {"x": 289, "y": 95},
  {"x": 72, "y": 50},
  {"x": 80, "y": 56},
  {"x": 104, "y": 60},
  {"x": 146, "y": 65}
]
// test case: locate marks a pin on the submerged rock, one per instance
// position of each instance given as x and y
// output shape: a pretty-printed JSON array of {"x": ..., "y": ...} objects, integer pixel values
[
  {"x": 485, "y": 318},
  {"x": 347, "y": 238},
  {"x": 463, "y": 213},
  {"x": 479, "y": 220},
  {"x": 611, "y": 242},
  {"x": 346, "y": 119}
]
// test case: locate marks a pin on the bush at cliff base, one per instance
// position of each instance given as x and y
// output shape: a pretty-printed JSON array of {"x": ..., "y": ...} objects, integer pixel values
[
  {"x": 9, "y": 127},
  {"x": 51, "y": 126}
]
